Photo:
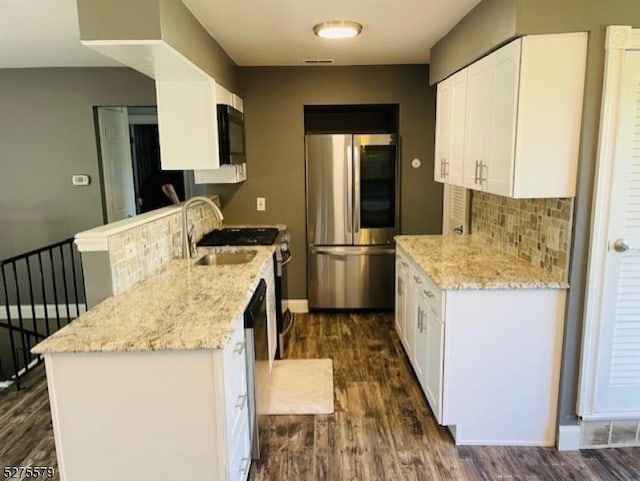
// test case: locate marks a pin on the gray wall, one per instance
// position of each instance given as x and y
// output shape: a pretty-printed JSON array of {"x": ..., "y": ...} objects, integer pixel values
[
  {"x": 274, "y": 100},
  {"x": 489, "y": 24},
  {"x": 551, "y": 16},
  {"x": 47, "y": 134},
  {"x": 167, "y": 20}
]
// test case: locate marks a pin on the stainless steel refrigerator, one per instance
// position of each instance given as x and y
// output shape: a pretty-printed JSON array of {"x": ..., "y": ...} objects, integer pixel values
[{"x": 353, "y": 197}]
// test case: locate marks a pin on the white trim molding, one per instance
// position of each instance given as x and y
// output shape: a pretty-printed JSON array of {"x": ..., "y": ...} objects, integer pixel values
[
  {"x": 97, "y": 239},
  {"x": 298, "y": 306},
  {"x": 618, "y": 40},
  {"x": 569, "y": 438},
  {"x": 26, "y": 312}
]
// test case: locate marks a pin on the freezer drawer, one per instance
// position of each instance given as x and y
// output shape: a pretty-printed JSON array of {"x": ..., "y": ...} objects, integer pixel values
[{"x": 351, "y": 277}]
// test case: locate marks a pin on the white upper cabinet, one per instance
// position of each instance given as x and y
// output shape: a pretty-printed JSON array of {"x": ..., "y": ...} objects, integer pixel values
[
  {"x": 451, "y": 106},
  {"x": 187, "y": 124},
  {"x": 519, "y": 136}
]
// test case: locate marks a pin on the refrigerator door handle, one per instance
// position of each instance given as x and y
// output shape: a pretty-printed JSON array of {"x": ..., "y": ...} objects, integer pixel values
[
  {"x": 349, "y": 197},
  {"x": 356, "y": 190},
  {"x": 365, "y": 251}
]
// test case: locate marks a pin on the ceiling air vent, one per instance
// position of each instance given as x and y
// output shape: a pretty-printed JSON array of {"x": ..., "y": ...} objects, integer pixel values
[{"x": 318, "y": 61}]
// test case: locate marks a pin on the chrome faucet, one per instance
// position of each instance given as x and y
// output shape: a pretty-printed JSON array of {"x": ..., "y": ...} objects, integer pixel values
[{"x": 187, "y": 235}]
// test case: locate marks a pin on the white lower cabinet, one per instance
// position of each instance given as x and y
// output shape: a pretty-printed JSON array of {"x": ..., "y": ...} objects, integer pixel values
[
  {"x": 487, "y": 360},
  {"x": 180, "y": 414}
]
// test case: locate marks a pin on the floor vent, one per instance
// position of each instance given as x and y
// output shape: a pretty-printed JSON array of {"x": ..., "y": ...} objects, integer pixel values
[{"x": 610, "y": 434}]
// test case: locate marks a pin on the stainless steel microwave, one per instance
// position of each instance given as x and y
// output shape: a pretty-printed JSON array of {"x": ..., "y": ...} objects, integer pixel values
[{"x": 231, "y": 139}]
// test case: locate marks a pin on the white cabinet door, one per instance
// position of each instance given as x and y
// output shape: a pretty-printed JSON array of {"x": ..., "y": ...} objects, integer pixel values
[
  {"x": 477, "y": 122},
  {"x": 443, "y": 130},
  {"x": 421, "y": 350},
  {"x": 434, "y": 329},
  {"x": 411, "y": 318},
  {"x": 496, "y": 174},
  {"x": 400, "y": 298}
]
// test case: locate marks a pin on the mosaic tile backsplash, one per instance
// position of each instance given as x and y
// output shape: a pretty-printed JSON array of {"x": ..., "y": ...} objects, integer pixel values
[
  {"x": 535, "y": 230},
  {"x": 141, "y": 251}
]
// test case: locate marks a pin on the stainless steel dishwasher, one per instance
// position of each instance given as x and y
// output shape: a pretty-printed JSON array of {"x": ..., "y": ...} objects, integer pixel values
[{"x": 255, "y": 331}]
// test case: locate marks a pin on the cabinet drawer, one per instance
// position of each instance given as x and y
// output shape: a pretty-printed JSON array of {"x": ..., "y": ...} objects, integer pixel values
[
  {"x": 240, "y": 461},
  {"x": 236, "y": 348},
  {"x": 426, "y": 288}
]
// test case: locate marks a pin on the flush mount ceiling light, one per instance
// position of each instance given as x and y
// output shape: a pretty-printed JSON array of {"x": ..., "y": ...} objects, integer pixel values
[{"x": 337, "y": 29}]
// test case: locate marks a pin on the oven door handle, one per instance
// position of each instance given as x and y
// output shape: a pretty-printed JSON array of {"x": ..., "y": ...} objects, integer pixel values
[{"x": 286, "y": 260}]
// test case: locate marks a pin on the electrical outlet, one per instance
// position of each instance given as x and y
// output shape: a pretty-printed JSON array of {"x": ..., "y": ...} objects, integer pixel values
[{"x": 261, "y": 204}]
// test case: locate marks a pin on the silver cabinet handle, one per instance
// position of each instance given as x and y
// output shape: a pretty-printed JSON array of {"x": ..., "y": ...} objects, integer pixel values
[
  {"x": 418, "y": 280},
  {"x": 429, "y": 294},
  {"x": 446, "y": 168},
  {"x": 246, "y": 463},
  {"x": 621, "y": 245},
  {"x": 242, "y": 400},
  {"x": 239, "y": 349},
  {"x": 476, "y": 176},
  {"x": 481, "y": 179},
  {"x": 354, "y": 252}
]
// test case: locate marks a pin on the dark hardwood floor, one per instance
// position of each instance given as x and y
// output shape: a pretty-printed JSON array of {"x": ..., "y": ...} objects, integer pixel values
[{"x": 382, "y": 428}]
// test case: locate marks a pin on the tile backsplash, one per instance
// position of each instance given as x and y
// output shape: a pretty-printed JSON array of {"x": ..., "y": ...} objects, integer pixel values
[
  {"x": 535, "y": 230},
  {"x": 142, "y": 250}
]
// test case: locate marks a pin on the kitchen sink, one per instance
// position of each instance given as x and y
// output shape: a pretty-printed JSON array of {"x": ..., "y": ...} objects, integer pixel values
[{"x": 226, "y": 258}]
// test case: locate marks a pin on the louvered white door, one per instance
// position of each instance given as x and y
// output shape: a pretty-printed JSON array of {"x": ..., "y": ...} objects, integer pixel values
[
  {"x": 617, "y": 387},
  {"x": 455, "y": 215}
]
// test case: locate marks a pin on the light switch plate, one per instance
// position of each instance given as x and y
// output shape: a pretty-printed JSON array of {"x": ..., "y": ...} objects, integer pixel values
[{"x": 261, "y": 204}]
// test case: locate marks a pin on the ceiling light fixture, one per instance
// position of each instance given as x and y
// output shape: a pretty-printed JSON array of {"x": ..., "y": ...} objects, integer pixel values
[{"x": 337, "y": 29}]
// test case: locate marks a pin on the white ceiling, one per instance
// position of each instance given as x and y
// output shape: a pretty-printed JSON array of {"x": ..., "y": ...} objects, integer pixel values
[{"x": 44, "y": 33}]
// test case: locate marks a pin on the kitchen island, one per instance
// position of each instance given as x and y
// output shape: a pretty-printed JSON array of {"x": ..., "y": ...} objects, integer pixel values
[
  {"x": 151, "y": 383},
  {"x": 483, "y": 331}
]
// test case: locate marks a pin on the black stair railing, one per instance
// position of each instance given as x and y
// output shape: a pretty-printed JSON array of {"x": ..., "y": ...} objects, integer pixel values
[{"x": 42, "y": 291}]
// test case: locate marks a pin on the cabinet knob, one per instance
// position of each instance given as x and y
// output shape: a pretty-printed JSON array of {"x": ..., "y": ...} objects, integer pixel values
[
  {"x": 621, "y": 245},
  {"x": 417, "y": 279}
]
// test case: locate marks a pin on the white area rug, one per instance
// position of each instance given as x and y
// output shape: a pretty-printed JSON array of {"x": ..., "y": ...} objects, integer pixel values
[{"x": 295, "y": 386}]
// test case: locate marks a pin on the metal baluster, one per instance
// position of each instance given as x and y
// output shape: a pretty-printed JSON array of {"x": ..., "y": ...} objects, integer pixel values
[
  {"x": 44, "y": 295},
  {"x": 64, "y": 283},
  {"x": 20, "y": 318},
  {"x": 75, "y": 286},
  {"x": 34, "y": 318},
  {"x": 55, "y": 288},
  {"x": 14, "y": 351}
]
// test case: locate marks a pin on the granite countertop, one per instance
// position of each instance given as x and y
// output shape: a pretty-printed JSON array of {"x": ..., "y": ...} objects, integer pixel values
[
  {"x": 456, "y": 262},
  {"x": 182, "y": 307}
]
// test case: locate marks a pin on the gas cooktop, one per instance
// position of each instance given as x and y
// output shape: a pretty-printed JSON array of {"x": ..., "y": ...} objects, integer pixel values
[{"x": 240, "y": 236}]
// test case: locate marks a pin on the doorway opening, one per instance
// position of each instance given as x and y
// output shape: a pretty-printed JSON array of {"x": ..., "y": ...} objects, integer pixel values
[{"x": 129, "y": 154}]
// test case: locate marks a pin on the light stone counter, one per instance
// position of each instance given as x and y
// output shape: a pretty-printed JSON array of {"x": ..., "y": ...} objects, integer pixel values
[
  {"x": 182, "y": 307},
  {"x": 457, "y": 262}
]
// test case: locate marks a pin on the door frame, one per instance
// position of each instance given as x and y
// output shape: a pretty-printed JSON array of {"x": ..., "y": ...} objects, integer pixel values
[{"x": 619, "y": 39}]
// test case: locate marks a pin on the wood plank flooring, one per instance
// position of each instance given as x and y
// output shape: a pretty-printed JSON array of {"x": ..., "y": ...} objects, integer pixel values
[{"x": 382, "y": 428}]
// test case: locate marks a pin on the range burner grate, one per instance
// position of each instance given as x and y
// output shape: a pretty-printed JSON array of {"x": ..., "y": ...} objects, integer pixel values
[{"x": 240, "y": 236}]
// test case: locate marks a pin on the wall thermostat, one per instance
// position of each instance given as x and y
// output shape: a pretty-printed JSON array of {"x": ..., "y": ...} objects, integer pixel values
[
  {"x": 80, "y": 179},
  {"x": 415, "y": 163}
]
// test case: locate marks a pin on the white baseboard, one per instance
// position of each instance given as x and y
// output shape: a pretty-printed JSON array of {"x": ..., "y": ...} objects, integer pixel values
[
  {"x": 27, "y": 312},
  {"x": 9, "y": 383},
  {"x": 300, "y": 306},
  {"x": 569, "y": 438}
]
